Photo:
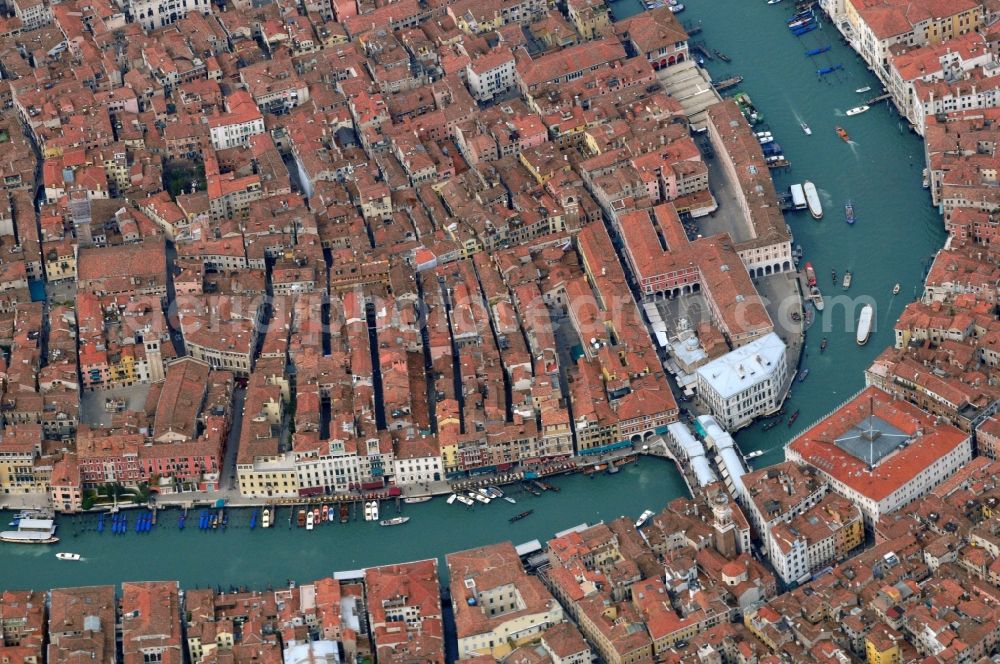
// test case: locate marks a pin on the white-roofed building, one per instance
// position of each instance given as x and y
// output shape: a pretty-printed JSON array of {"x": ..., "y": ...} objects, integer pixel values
[{"x": 744, "y": 383}]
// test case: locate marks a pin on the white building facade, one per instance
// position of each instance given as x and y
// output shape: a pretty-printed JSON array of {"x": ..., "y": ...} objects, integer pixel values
[{"x": 745, "y": 383}]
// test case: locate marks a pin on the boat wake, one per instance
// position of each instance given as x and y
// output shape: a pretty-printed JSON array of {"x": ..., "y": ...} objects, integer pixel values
[{"x": 839, "y": 113}]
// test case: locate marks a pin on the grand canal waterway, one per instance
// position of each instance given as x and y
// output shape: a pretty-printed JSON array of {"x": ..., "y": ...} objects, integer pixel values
[
  {"x": 896, "y": 234},
  {"x": 897, "y": 231}
]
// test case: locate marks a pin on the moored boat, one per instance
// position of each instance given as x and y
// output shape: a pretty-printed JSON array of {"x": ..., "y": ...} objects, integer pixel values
[
  {"x": 394, "y": 521},
  {"x": 803, "y": 374},
  {"x": 843, "y": 134},
  {"x": 494, "y": 492},
  {"x": 643, "y": 518},
  {"x": 301, "y": 518},
  {"x": 823, "y": 71},
  {"x": 849, "y": 212},
  {"x": 465, "y": 500},
  {"x": 345, "y": 513},
  {"x": 68, "y": 556},
  {"x": 374, "y": 510},
  {"x": 817, "y": 298},
  {"x": 368, "y": 511},
  {"x": 728, "y": 83},
  {"x": 416, "y": 499},
  {"x": 812, "y": 200},
  {"x": 848, "y": 277},
  {"x": 810, "y": 275},
  {"x": 816, "y": 51},
  {"x": 795, "y": 416},
  {"x": 475, "y": 495},
  {"x": 864, "y": 325},
  {"x": 822, "y": 344},
  {"x": 265, "y": 518},
  {"x": 722, "y": 56},
  {"x": 857, "y": 110},
  {"x": 31, "y": 531},
  {"x": 310, "y": 520}
]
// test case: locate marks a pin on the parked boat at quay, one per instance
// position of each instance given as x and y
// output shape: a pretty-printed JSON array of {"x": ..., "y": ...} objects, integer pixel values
[
  {"x": 817, "y": 298},
  {"x": 727, "y": 83},
  {"x": 31, "y": 531},
  {"x": 414, "y": 500},
  {"x": 812, "y": 200},
  {"x": 643, "y": 518},
  {"x": 810, "y": 275}
]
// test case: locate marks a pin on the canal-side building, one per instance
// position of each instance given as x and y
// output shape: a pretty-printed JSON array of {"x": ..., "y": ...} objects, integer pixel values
[
  {"x": 498, "y": 607},
  {"x": 404, "y": 613},
  {"x": 873, "y": 27},
  {"x": 881, "y": 453},
  {"x": 737, "y": 150},
  {"x": 82, "y": 620},
  {"x": 150, "y": 623},
  {"x": 745, "y": 383}
]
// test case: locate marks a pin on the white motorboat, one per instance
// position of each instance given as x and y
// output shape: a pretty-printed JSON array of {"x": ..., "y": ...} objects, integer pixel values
[
  {"x": 867, "y": 88},
  {"x": 817, "y": 298},
  {"x": 864, "y": 325},
  {"x": 310, "y": 520},
  {"x": 764, "y": 140},
  {"x": 68, "y": 556},
  {"x": 643, "y": 518},
  {"x": 465, "y": 500},
  {"x": 394, "y": 521},
  {"x": 510, "y": 500},
  {"x": 451, "y": 499},
  {"x": 755, "y": 454},
  {"x": 412, "y": 500},
  {"x": 368, "y": 511},
  {"x": 857, "y": 110},
  {"x": 806, "y": 129},
  {"x": 374, "y": 510},
  {"x": 494, "y": 492},
  {"x": 265, "y": 518},
  {"x": 475, "y": 495},
  {"x": 895, "y": 289},
  {"x": 812, "y": 200}
]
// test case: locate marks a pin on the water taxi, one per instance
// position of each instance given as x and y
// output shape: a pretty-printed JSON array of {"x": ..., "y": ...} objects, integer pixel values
[
  {"x": 518, "y": 517},
  {"x": 863, "y": 90},
  {"x": 864, "y": 325},
  {"x": 265, "y": 518},
  {"x": 394, "y": 521},
  {"x": 810, "y": 275},
  {"x": 812, "y": 200},
  {"x": 643, "y": 518},
  {"x": 805, "y": 129},
  {"x": 843, "y": 134},
  {"x": 412, "y": 500},
  {"x": 68, "y": 556},
  {"x": 468, "y": 502},
  {"x": 374, "y": 510},
  {"x": 847, "y": 279},
  {"x": 510, "y": 500},
  {"x": 817, "y": 298},
  {"x": 368, "y": 511},
  {"x": 857, "y": 110},
  {"x": 895, "y": 289}
]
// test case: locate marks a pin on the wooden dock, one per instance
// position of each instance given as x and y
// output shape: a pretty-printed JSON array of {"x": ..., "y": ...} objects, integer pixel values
[{"x": 875, "y": 100}]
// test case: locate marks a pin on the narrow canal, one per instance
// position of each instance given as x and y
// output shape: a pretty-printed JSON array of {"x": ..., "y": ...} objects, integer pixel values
[
  {"x": 896, "y": 234},
  {"x": 879, "y": 171},
  {"x": 261, "y": 558}
]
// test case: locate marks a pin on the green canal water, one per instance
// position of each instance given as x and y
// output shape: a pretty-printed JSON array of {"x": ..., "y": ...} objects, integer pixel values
[
  {"x": 261, "y": 558},
  {"x": 896, "y": 234},
  {"x": 897, "y": 231}
]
